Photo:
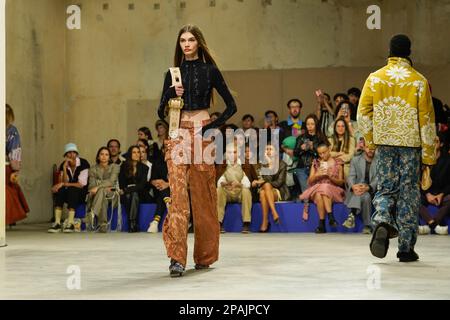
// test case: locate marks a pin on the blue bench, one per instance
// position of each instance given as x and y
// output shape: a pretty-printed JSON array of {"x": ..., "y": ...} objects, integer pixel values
[
  {"x": 147, "y": 212},
  {"x": 290, "y": 217}
]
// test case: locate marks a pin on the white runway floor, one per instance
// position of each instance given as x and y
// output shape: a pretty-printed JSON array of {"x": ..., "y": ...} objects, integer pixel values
[{"x": 34, "y": 265}]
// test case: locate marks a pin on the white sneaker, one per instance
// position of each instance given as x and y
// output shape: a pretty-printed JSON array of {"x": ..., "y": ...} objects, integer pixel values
[
  {"x": 424, "y": 229},
  {"x": 153, "y": 228},
  {"x": 442, "y": 230}
]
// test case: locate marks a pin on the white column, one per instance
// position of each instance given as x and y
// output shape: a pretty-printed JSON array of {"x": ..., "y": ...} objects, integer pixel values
[{"x": 2, "y": 123}]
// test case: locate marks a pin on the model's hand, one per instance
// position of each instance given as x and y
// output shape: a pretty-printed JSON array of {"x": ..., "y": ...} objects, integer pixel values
[
  {"x": 93, "y": 191},
  {"x": 179, "y": 90}
]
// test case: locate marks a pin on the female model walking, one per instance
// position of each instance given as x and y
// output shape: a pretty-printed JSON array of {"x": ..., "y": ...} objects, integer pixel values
[{"x": 199, "y": 76}]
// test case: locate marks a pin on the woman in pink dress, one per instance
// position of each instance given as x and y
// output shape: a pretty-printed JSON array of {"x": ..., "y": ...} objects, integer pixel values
[{"x": 326, "y": 182}]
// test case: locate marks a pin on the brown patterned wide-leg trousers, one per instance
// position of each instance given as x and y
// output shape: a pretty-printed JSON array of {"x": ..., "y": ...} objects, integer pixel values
[{"x": 198, "y": 182}]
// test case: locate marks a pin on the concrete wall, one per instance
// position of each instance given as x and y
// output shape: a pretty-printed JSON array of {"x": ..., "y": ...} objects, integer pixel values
[
  {"x": 35, "y": 90},
  {"x": 118, "y": 58},
  {"x": 105, "y": 80}
]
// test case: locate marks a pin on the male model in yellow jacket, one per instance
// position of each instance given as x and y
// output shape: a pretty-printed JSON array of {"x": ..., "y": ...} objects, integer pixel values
[{"x": 396, "y": 117}]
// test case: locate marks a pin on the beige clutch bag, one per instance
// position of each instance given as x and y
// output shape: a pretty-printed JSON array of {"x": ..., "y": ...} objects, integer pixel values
[{"x": 426, "y": 178}]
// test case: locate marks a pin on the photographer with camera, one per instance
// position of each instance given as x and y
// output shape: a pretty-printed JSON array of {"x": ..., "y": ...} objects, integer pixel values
[{"x": 343, "y": 110}]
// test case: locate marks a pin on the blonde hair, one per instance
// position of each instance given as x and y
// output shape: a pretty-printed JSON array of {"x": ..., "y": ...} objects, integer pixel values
[{"x": 9, "y": 115}]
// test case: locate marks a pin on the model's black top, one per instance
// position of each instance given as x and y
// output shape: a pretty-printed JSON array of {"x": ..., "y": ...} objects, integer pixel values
[{"x": 199, "y": 78}]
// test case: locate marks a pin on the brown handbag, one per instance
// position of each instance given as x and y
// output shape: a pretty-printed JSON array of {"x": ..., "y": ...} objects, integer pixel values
[{"x": 426, "y": 182}]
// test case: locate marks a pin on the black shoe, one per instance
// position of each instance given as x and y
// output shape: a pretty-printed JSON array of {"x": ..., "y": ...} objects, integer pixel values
[
  {"x": 201, "y": 266},
  {"x": 379, "y": 244},
  {"x": 55, "y": 228},
  {"x": 246, "y": 227},
  {"x": 320, "y": 229},
  {"x": 175, "y": 269},
  {"x": 407, "y": 256},
  {"x": 222, "y": 230},
  {"x": 70, "y": 228},
  {"x": 133, "y": 228},
  {"x": 332, "y": 221}
]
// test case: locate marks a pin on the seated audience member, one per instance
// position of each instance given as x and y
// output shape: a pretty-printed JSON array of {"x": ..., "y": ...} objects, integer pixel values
[
  {"x": 114, "y": 150},
  {"x": 248, "y": 122},
  {"x": 233, "y": 186},
  {"x": 324, "y": 111},
  {"x": 251, "y": 171},
  {"x": 340, "y": 97},
  {"x": 353, "y": 97},
  {"x": 362, "y": 185},
  {"x": 306, "y": 151},
  {"x": 16, "y": 208},
  {"x": 439, "y": 192},
  {"x": 291, "y": 161},
  {"x": 343, "y": 111},
  {"x": 342, "y": 144},
  {"x": 132, "y": 180},
  {"x": 161, "y": 191},
  {"x": 272, "y": 127},
  {"x": 103, "y": 178},
  {"x": 147, "y": 194},
  {"x": 272, "y": 187},
  {"x": 72, "y": 188},
  {"x": 162, "y": 128},
  {"x": 326, "y": 183},
  {"x": 250, "y": 131},
  {"x": 293, "y": 125},
  {"x": 152, "y": 147}
]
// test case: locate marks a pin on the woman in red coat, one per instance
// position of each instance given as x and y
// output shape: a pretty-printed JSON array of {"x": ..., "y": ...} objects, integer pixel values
[{"x": 16, "y": 204}]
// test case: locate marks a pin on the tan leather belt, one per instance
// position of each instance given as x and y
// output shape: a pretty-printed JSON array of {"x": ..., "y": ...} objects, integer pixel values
[{"x": 175, "y": 105}]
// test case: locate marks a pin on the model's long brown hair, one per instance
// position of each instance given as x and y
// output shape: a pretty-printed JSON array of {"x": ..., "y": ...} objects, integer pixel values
[{"x": 203, "y": 51}]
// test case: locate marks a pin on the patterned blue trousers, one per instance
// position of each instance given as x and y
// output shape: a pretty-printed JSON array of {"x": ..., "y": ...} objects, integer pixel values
[{"x": 397, "y": 200}]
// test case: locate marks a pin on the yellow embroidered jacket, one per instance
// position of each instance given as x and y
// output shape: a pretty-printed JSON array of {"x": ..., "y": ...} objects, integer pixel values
[{"x": 395, "y": 109}]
